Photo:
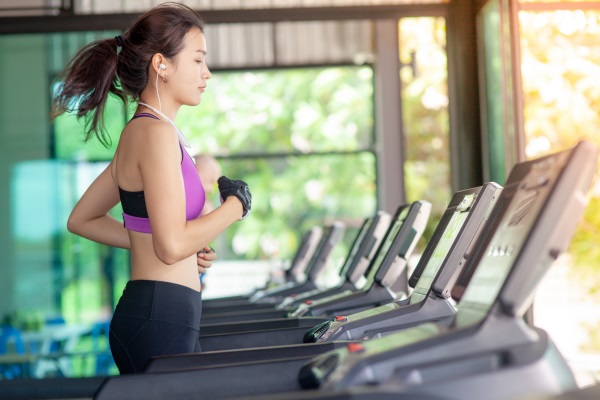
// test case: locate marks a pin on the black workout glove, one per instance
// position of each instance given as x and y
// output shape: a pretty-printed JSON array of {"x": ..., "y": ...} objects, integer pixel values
[{"x": 239, "y": 189}]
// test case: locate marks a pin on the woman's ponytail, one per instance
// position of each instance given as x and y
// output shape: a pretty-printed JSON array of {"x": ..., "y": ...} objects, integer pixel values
[
  {"x": 99, "y": 68},
  {"x": 86, "y": 82}
]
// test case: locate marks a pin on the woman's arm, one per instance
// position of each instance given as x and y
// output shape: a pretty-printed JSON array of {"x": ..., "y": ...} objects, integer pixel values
[
  {"x": 90, "y": 217},
  {"x": 173, "y": 237}
]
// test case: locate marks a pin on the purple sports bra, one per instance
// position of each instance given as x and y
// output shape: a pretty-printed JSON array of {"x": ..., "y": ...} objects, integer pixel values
[{"x": 135, "y": 214}]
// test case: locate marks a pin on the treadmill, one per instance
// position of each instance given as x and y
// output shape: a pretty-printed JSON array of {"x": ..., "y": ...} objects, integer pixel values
[
  {"x": 293, "y": 273},
  {"x": 392, "y": 257},
  {"x": 369, "y": 236},
  {"x": 487, "y": 351},
  {"x": 437, "y": 269}
]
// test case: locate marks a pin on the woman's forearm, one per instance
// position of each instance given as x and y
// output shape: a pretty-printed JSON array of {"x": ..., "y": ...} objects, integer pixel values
[
  {"x": 175, "y": 245},
  {"x": 105, "y": 229}
]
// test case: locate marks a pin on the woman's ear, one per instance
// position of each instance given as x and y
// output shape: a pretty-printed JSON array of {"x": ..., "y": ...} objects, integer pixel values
[{"x": 159, "y": 63}]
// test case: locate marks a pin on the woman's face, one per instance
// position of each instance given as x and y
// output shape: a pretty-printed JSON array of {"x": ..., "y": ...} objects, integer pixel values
[{"x": 189, "y": 75}]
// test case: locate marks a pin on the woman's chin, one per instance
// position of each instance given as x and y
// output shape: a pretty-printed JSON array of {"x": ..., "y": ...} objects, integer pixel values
[
  {"x": 196, "y": 101},
  {"x": 192, "y": 102}
]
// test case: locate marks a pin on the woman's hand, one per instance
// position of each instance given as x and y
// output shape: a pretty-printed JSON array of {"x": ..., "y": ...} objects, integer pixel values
[
  {"x": 90, "y": 217},
  {"x": 205, "y": 257},
  {"x": 237, "y": 188}
]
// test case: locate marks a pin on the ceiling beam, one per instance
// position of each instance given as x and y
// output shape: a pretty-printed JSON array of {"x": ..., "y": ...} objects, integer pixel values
[{"x": 96, "y": 22}]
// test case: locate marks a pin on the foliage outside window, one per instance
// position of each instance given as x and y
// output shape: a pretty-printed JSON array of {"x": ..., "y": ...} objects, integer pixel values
[
  {"x": 560, "y": 67},
  {"x": 424, "y": 78}
]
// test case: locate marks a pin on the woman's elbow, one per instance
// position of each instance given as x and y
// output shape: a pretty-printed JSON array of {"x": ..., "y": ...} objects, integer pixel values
[
  {"x": 74, "y": 225},
  {"x": 167, "y": 252}
]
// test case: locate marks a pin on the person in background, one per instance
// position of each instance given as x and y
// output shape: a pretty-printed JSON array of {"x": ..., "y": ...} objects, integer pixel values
[{"x": 209, "y": 171}]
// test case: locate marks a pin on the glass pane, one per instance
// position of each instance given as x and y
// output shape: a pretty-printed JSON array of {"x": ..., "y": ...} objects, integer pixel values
[
  {"x": 290, "y": 195},
  {"x": 283, "y": 111},
  {"x": 424, "y": 78},
  {"x": 64, "y": 284},
  {"x": 560, "y": 68}
]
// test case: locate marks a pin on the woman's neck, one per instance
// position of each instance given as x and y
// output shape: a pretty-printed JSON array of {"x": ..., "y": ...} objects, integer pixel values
[
  {"x": 166, "y": 106},
  {"x": 163, "y": 116},
  {"x": 163, "y": 112}
]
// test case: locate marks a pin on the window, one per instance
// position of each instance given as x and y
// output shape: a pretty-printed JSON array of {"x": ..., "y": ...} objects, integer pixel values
[
  {"x": 560, "y": 66},
  {"x": 424, "y": 79}
]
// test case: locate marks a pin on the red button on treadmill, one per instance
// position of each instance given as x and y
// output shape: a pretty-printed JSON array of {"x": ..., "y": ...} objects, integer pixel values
[
  {"x": 308, "y": 302},
  {"x": 341, "y": 318},
  {"x": 356, "y": 347}
]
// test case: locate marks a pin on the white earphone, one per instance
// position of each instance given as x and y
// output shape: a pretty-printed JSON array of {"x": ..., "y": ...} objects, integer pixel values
[{"x": 164, "y": 68}]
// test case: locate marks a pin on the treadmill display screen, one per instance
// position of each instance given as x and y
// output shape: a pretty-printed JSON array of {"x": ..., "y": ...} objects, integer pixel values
[
  {"x": 441, "y": 250},
  {"x": 358, "y": 242},
  {"x": 300, "y": 262},
  {"x": 316, "y": 254},
  {"x": 502, "y": 251},
  {"x": 387, "y": 243}
]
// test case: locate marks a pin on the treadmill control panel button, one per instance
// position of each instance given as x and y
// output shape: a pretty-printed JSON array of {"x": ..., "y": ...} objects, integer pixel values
[
  {"x": 341, "y": 318},
  {"x": 356, "y": 347},
  {"x": 308, "y": 302}
]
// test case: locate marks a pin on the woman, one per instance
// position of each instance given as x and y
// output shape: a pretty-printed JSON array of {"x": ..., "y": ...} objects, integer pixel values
[{"x": 160, "y": 63}]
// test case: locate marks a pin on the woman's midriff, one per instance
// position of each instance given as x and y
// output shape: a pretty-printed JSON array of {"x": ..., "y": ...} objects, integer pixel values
[{"x": 146, "y": 265}]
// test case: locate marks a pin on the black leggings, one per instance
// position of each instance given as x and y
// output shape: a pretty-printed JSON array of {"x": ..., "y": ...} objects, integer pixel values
[{"x": 154, "y": 318}]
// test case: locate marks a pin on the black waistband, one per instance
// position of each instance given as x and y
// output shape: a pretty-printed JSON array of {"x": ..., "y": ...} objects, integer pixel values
[{"x": 162, "y": 301}]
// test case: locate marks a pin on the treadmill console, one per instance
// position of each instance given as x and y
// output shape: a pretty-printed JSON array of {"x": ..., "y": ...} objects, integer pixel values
[
  {"x": 309, "y": 244},
  {"x": 389, "y": 276}
]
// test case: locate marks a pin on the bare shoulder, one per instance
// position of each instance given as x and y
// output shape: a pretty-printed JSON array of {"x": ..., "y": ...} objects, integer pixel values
[
  {"x": 153, "y": 131},
  {"x": 153, "y": 136}
]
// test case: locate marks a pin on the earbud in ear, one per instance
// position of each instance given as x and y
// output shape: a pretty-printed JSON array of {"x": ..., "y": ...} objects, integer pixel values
[{"x": 162, "y": 66}]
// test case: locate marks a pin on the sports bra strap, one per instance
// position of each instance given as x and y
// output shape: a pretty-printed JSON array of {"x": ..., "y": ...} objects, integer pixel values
[{"x": 144, "y": 114}]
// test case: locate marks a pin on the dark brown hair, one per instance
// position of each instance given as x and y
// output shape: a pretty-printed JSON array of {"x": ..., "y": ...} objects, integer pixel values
[{"x": 99, "y": 68}]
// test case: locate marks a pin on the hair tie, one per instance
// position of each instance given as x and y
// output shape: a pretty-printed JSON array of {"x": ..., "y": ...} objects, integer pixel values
[{"x": 120, "y": 41}]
